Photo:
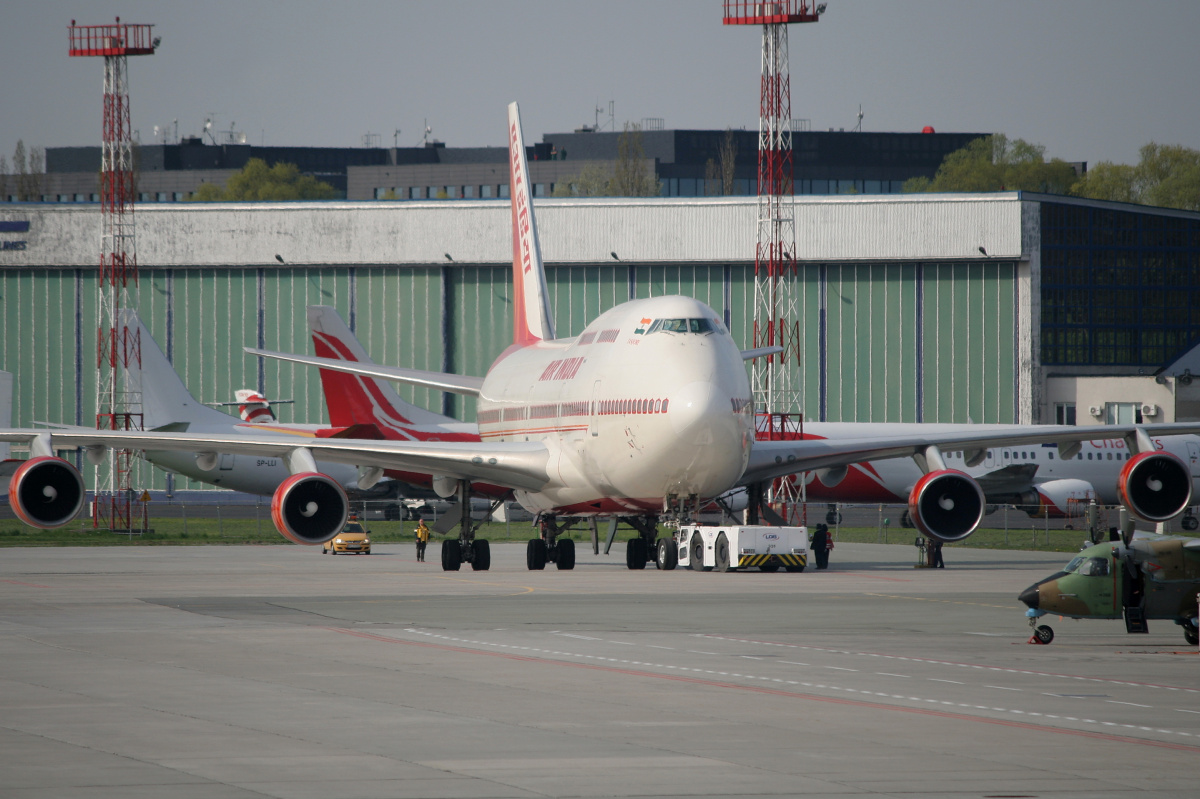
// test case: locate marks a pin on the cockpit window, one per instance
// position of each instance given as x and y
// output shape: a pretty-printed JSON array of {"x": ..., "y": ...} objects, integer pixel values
[
  {"x": 1094, "y": 567},
  {"x": 681, "y": 326},
  {"x": 1074, "y": 564}
]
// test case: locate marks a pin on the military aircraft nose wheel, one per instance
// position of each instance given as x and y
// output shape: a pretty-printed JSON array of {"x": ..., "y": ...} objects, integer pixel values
[{"x": 1042, "y": 634}]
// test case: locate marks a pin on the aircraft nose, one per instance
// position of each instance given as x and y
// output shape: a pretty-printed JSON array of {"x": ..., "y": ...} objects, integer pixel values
[
  {"x": 695, "y": 407},
  {"x": 1030, "y": 596}
]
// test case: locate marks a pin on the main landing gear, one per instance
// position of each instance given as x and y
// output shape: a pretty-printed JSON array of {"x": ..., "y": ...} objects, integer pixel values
[
  {"x": 551, "y": 546},
  {"x": 466, "y": 548}
]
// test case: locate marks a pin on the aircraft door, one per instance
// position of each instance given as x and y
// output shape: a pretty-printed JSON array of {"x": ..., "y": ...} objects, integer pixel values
[
  {"x": 1194, "y": 458},
  {"x": 226, "y": 461},
  {"x": 594, "y": 417}
]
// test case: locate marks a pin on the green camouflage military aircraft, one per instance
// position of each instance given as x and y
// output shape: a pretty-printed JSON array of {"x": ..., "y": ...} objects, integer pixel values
[{"x": 1152, "y": 577}]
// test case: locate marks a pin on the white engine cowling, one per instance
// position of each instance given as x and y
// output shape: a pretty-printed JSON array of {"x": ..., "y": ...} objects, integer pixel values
[
  {"x": 46, "y": 492},
  {"x": 946, "y": 504},
  {"x": 1155, "y": 486},
  {"x": 309, "y": 508},
  {"x": 1058, "y": 499}
]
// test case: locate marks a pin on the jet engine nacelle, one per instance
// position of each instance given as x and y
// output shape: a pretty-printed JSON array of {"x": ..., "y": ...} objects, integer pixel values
[
  {"x": 946, "y": 504},
  {"x": 309, "y": 508},
  {"x": 1057, "y": 499},
  {"x": 46, "y": 492},
  {"x": 1155, "y": 486}
]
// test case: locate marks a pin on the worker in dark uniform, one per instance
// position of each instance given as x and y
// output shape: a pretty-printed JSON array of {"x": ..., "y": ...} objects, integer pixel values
[
  {"x": 935, "y": 555},
  {"x": 820, "y": 546}
]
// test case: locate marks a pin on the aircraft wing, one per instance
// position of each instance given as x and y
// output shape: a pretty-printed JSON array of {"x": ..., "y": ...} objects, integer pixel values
[
  {"x": 442, "y": 381},
  {"x": 518, "y": 465},
  {"x": 771, "y": 459}
]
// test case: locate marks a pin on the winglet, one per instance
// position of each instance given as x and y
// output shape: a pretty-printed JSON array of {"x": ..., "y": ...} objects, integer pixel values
[{"x": 531, "y": 311}]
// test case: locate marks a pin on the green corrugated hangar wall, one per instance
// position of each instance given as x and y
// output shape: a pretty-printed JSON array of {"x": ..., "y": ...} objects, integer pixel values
[{"x": 932, "y": 342}]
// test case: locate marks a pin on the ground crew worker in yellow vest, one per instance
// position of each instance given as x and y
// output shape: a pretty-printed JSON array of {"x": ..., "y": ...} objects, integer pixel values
[{"x": 422, "y": 539}]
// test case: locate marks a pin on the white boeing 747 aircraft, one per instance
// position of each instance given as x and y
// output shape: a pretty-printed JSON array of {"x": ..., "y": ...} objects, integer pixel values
[{"x": 648, "y": 410}]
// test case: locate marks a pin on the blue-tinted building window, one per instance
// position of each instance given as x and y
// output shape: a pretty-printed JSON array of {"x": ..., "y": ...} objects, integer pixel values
[{"x": 1119, "y": 288}]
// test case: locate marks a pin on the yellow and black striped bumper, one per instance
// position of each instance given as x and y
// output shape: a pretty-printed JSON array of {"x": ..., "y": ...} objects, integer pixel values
[{"x": 763, "y": 560}]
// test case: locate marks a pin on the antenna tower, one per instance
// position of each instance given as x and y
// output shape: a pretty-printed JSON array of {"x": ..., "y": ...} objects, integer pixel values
[
  {"x": 775, "y": 381},
  {"x": 118, "y": 401}
]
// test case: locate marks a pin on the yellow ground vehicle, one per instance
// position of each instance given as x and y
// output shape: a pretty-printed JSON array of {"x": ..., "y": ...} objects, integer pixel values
[{"x": 354, "y": 539}]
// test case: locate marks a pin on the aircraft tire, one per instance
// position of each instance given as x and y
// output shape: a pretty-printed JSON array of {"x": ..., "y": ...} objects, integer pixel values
[
  {"x": 833, "y": 518},
  {"x": 666, "y": 557},
  {"x": 794, "y": 568},
  {"x": 1191, "y": 634},
  {"x": 635, "y": 554},
  {"x": 483, "y": 555},
  {"x": 535, "y": 554},
  {"x": 696, "y": 554},
  {"x": 565, "y": 554},
  {"x": 721, "y": 554},
  {"x": 1189, "y": 522},
  {"x": 1044, "y": 634},
  {"x": 451, "y": 555},
  {"x": 769, "y": 567}
]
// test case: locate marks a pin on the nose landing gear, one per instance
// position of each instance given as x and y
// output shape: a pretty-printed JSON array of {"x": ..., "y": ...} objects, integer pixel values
[{"x": 1042, "y": 633}]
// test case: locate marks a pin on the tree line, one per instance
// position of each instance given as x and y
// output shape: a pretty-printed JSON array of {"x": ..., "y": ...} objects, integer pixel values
[{"x": 1167, "y": 176}]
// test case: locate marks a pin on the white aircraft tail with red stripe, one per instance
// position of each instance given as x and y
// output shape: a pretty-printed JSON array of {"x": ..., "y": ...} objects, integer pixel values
[
  {"x": 253, "y": 406},
  {"x": 532, "y": 320},
  {"x": 357, "y": 399}
]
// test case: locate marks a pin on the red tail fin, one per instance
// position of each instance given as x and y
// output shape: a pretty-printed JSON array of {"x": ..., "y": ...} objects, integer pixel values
[{"x": 354, "y": 399}]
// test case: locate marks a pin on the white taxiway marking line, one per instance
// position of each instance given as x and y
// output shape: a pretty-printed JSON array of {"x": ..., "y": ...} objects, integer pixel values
[
  {"x": 793, "y": 663},
  {"x": 839, "y": 668},
  {"x": 935, "y": 679},
  {"x": 1131, "y": 704},
  {"x": 950, "y": 663},
  {"x": 652, "y": 646},
  {"x": 1181, "y": 710},
  {"x": 1001, "y": 688},
  {"x": 800, "y": 683},
  {"x": 889, "y": 674},
  {"x": 990, "y": 635}
]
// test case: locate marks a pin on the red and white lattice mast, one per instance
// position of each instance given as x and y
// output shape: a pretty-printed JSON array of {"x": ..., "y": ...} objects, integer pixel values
[
  {"x": 118, "y": 401},
  {"x": 775, "y": 380}
]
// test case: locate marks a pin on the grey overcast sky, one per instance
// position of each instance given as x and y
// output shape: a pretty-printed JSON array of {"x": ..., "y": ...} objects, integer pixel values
[{"x": 1090, "y": 80}]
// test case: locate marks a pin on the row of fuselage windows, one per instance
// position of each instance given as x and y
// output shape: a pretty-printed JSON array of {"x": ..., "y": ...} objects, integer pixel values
[
  {"x": 559, "y": 410},
  {"x": 1032, "y": 455}
]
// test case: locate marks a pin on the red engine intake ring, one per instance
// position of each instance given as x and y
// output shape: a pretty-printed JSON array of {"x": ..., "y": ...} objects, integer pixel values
[
  {"x": 946, "y": 505},
  {"x": 309, "y": 508},
  {"x": 46, "y": 492},
  {"x": 1155, "y": 486}
]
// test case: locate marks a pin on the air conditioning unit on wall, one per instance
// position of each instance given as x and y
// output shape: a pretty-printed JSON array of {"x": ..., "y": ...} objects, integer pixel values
[
  {"x": 1095, "y": 410},
  {"x": 1149, "y": 410}
]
